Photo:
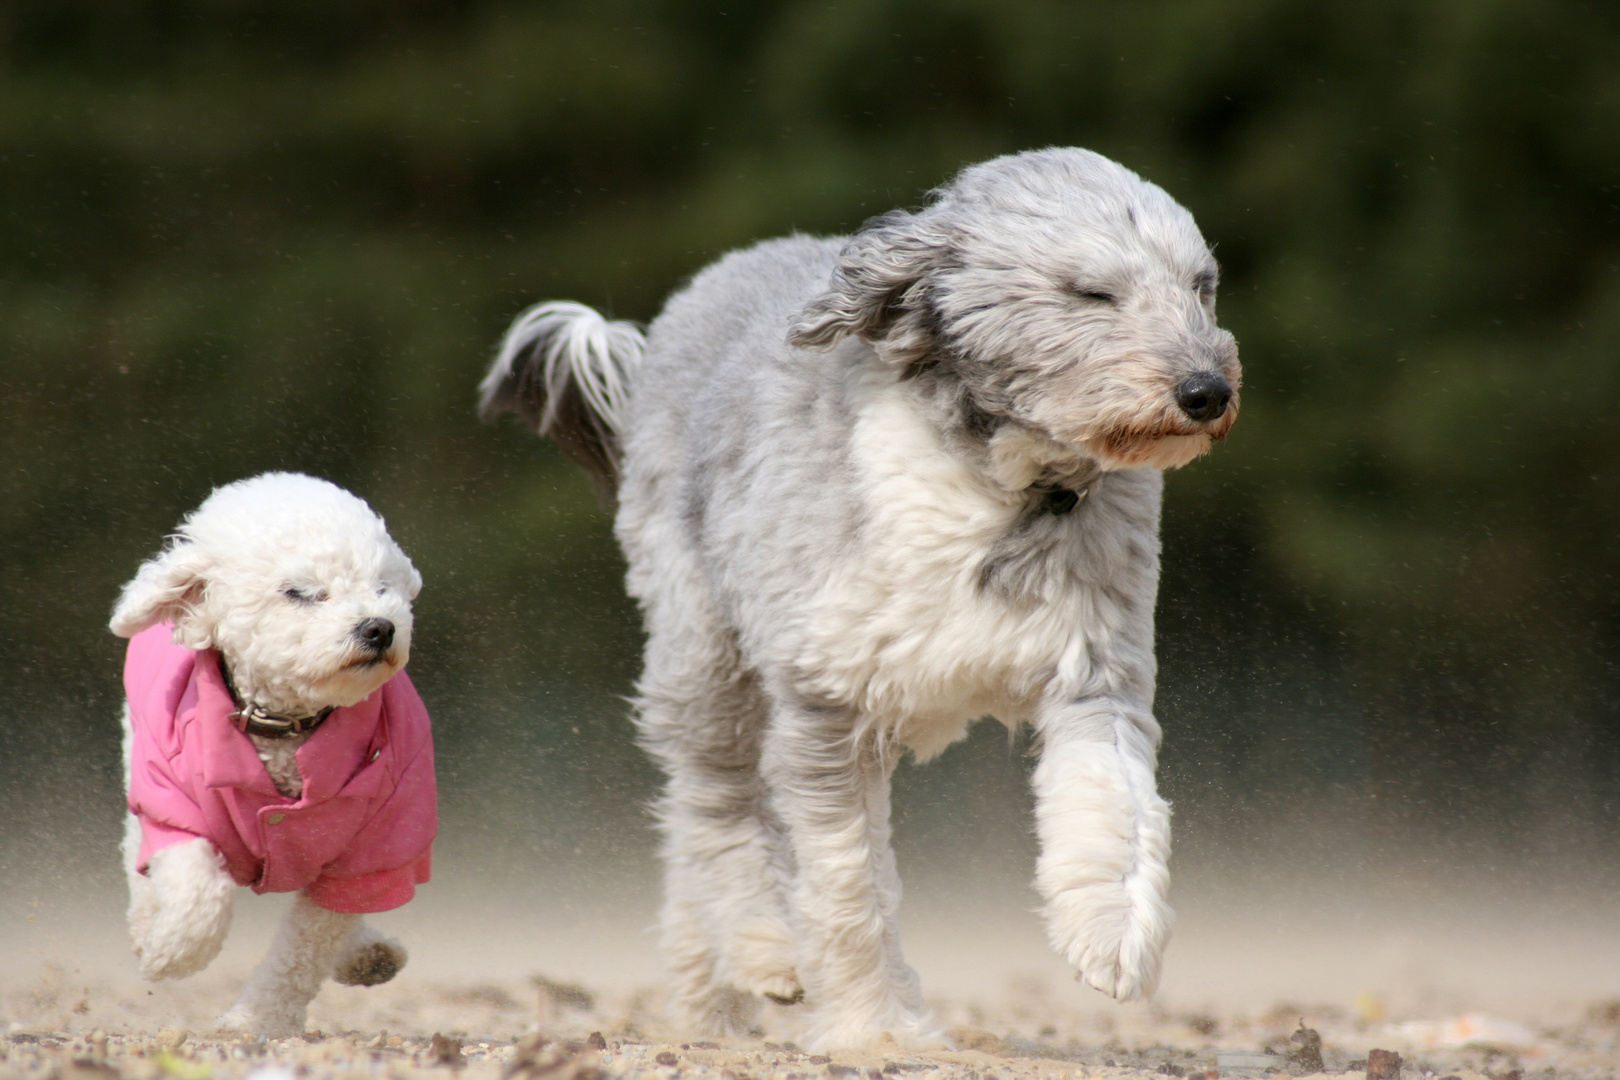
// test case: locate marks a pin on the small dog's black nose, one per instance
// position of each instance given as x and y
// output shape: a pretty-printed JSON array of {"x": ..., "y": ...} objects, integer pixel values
[
  {"x": 377, "y": 634},
  {"x": 1204, "y": 395}
]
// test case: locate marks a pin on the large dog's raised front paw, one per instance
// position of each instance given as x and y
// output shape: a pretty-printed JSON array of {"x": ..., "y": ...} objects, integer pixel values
[
  {"x": 1113, "y": 935},
  {"x": 1105, "y": 851}
]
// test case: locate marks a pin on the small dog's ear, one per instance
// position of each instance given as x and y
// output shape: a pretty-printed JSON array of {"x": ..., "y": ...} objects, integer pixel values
[
  {"x": 166, "y": 589},
  {"x": 879, "y": 290},
  {"x": 416, "y": 582}
]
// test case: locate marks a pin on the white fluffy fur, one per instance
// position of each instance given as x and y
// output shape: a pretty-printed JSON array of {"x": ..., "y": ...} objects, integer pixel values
[
  {"x": 872, "y": 490},
  {"x": 275, "y": 573}
]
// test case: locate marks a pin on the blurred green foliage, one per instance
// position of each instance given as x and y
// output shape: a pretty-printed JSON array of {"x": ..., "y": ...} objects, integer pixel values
[{"x": 238, "y": 235}]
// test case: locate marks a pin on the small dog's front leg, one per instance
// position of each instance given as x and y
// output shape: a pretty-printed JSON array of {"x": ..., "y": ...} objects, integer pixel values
[
  {"x": 180, "y": 911},
  {"x": 276, "y": 999},
  {"x": 1105, "y": 844}
]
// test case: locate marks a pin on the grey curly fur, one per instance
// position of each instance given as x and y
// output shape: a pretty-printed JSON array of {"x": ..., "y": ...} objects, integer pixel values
[{"x": 873, "y": 489}]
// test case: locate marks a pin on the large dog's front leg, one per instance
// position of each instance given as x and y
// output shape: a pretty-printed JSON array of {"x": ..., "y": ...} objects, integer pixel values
[
  {"x": 831, "y": 791},
  {"x": 305, "y": 951},
  {"x": 1105, "y": 844}
]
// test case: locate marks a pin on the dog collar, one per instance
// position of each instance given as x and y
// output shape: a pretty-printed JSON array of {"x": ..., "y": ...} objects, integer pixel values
[
  {"x": 253, "y": 720},
  {"x": 1058, "y": 499},
  {"x": 256, "y": 720}
]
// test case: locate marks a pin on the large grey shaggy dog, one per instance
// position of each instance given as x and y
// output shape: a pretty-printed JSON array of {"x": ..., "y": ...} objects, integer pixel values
[{"x": 872, "y": 489}]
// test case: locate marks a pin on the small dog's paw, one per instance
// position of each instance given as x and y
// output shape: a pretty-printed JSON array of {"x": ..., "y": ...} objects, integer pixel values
[
  {"x": 272, "y": 1024},
  {"x": 237, "y": 1019},
  {"x": 179, "y": 918},
  {"x": 168, "y": 951},
  {"x": 371, "y": 964},
  {"x": 143, "y": 909}
]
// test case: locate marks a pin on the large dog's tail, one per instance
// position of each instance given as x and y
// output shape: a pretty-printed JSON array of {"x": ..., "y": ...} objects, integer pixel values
[{"x": 565, "y": 370}]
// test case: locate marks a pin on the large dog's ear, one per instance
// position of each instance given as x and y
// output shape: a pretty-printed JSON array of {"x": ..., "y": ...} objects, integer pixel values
[
  {"x": 880, "y": 290},
  {"x": 168, "y": 588}
]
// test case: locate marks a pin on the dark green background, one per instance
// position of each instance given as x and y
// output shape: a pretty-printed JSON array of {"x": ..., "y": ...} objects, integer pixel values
[{"x": 238, "y": 235}]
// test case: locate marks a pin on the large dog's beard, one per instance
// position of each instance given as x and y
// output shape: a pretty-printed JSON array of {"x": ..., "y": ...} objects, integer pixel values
[
  {"x": 1131, "y": 422},
  {"x": 1166, "y": 441},
  {"x": 1157, "y": 438},
  {"x": 1160, "y": 452},
  {"x": 1129, "y": 425}
]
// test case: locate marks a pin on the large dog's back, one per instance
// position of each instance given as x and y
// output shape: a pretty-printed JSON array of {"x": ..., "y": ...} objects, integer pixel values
[{"x": 735, "y": 442}]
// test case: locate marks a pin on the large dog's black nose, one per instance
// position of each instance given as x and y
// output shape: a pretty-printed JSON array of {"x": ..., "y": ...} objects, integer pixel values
[
  {"x": 1204, "y": 395},
  {"x": 375, "y": 634}
]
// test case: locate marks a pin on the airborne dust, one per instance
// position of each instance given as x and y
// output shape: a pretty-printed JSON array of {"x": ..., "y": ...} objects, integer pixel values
[{"x": 1460, "y": 969}]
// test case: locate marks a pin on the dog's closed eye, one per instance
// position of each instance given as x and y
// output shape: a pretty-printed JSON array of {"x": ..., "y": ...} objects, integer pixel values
[
  {"x": 1204, "y": 285},
  {"x": 301, "y": 594},
  {"x": 1095, "y": 294}
]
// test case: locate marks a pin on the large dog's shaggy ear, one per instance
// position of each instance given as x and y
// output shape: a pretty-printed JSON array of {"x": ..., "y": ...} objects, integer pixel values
[
  {"x": 880, "y": 290},
  {"x": 166, "y": 589}
]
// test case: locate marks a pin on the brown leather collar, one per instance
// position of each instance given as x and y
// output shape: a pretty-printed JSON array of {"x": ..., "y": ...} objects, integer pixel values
[{"x": 255, "y": 720}]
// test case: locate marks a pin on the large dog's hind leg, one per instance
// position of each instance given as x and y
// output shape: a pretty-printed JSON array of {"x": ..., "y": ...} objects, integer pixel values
[
  {"x": 1105, "y": 844},
  {"x": 306, "y": 949},
  {"x": 724, "y": 926},
  {"x": 832, "y": 792}
]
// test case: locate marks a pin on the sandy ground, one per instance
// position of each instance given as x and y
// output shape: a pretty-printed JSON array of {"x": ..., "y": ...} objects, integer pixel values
[
  {"x": 569, "y": 990},
  {"x": 529, "y": 1030}
]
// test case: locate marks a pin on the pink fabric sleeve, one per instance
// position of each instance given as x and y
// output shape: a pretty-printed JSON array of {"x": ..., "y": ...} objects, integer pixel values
[
  {"x": 367, "y": 894},
  {"x": 155, "y": 836}
]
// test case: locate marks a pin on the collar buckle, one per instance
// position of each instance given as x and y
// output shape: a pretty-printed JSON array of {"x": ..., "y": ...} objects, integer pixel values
[{"x": 253, "y": 720}]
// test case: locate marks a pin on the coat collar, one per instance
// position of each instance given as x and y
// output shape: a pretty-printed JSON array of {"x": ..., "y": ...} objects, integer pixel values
[{"x": 329, "y": 759}]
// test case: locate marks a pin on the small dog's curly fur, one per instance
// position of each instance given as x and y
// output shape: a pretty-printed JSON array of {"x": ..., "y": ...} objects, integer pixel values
[
  {"x": 871, "y": 490},
  {"x": 294, "y": 599}
]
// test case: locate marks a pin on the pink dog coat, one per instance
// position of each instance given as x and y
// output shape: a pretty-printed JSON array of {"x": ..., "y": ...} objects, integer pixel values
[{"x": 360, "y": 839}]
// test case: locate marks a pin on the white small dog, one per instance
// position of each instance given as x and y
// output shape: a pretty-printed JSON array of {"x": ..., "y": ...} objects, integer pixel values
[
  {"x": 272, "y": 739},
  {"x": 872, "y": 489}
]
